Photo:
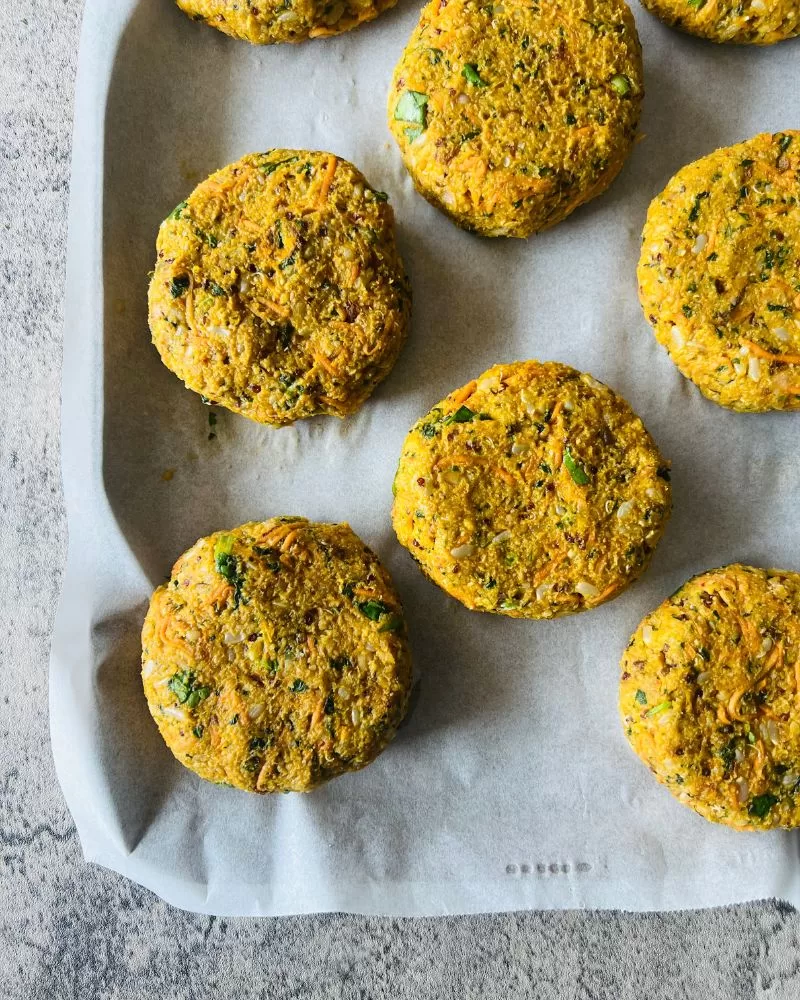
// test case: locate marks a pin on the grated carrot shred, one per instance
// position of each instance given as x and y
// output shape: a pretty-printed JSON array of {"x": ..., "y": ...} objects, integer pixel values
[
  {"x": 327, "y": 180},
  {"x": 463, "y": 394},
  {"x": 759, "y": 352}
]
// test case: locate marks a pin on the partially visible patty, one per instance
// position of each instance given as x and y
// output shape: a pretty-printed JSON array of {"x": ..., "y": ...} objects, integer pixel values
[
  {"x": 719, "y": 273},
  {"x": 266, "y": 21},
  {"x": 710, "y": 696},
  {"x": 534, "y": 491},
  {"x": 510, "y": 116},
  {"x": 744, "y": 22},
  {"x": 276, "y": 656},
  {"x": 278, "y": 290}
]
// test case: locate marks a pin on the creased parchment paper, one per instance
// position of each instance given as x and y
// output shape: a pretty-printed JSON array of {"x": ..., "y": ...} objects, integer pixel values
[{"x": 512, "y": 785}]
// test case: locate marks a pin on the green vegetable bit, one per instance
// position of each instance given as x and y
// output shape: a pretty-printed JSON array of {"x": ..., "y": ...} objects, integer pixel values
[
  {"x": 662, "y": 706},
  {"x": 575, "y": 468},
  {"x": 179, "y": 286},
  {"x": 177, "y": 212},
  {"x": 270, "y": 168},
  {"x": 412, "y": 107},
  {"x": 462, "y": 415},
  {"x": 641, "y": 697},
  {"x": 182, "y": 685},
  {"x": 760, "y": 806},
  {"x": 373, "y": 609},
  {"x": 471, "y": 75},
  {"x": 697, "y": 4},
  {"x": 298, "y": 686},
  {"x": 621, "y": 84},
  {"x": 228, "y": 566}
]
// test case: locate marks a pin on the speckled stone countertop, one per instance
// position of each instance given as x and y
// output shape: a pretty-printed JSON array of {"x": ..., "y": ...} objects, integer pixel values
[{"x": 70, "y": 930}]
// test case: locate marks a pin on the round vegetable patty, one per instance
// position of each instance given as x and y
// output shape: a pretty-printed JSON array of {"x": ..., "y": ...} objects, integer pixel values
[
  {"x": 510, "y": 116},
  {"x": 719, "y": 273},
  {"x": 266, "y": 21},
  {"x": 533, "y": 491},
  {"x": 278, "y": 290},
  {"x": 276, "y": 656},
  {"x": 709, "y": 696},
  {"x": 745, "y": 22}
]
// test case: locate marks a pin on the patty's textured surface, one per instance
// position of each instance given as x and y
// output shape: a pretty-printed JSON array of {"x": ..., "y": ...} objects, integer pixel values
[
  {"x": 278, "y": 291},
  {"x": 710, "y": 696},
  {"x": 751, "y": 22},
  {"x": 719, "y": 273},
  {"x": 269, "y": 21},
  {"x": 509, "y": 117},
  {"x": 533, "y": 491},
  {"x": 276, "y": 658}
]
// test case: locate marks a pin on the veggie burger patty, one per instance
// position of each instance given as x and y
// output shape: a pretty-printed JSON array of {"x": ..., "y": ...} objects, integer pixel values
[
  {"x": 278, "y": 290},
  {"x": 719, "y": 273},
  {"x": 510, "y": 116},
  {"x": 276, "y": 656},
  {"x": 753, "y": 22},
  {"x": 709, "y": 696},
  {"x": 266, "y": 21},
  {"x": 533, "y": 491}
]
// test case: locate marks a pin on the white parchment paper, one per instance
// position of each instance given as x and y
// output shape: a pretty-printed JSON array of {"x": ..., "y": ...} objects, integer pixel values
[{"x": 512, "y": 785}]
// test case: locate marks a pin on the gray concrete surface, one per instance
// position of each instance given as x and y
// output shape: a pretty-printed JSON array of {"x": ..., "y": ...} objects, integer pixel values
[{"x": 69, "y": 930}]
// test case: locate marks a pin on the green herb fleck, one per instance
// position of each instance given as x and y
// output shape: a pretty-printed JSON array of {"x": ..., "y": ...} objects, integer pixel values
[
  {"x": 471, "y": 75},
  {"x": 575, "y": 468},
  {"x": 373, "y": 609},
  {"x": 179, "y": 286},
  {"x": 412, "y": 107},
  {"x": 216, "y": 289},
  {"x": 662, "y": 706},
  {"x": 198, "y": 731},
  {"x": 621, "y": 84},
  {"x": 228, "y": 566},
  {"x": 463, "y": 415},
  {"x": 270, "y": 168},
  {"x": 177, "y": 212},
  {"x": 695, "y": 211},
  {"x": 298, "y": 686},
  {"x": 182, "y": 685},
  {"x": 641, "y": 697},
  {"x": 760, "y": 805}
]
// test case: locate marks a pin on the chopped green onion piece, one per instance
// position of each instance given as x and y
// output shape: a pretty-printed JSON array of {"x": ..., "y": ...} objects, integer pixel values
[
  {"x": 641, "y": 697},
  {"x": 372, "y": 609},
  {"x": 462, "y": 415},
  {"x": 761, "y": 805},
  {"x": 176, "y": 213},
  {"x": 413, "y": 132},
  {"x": 471, "y": 75},
  {"x": 575, "y": 468},
  {"x": 179, "y": 286},
  {"x": 298, "y": 686},
  {"x": 621, "y": 84},
  {"x": 270, "y": 168},
  {"x": 412, "y": 107},
  {"x": 662, "y": 706}
]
